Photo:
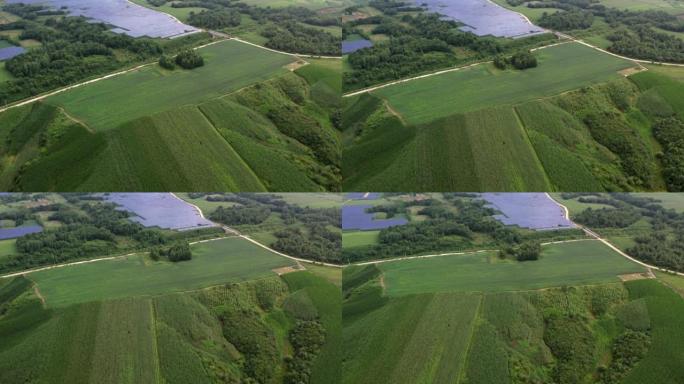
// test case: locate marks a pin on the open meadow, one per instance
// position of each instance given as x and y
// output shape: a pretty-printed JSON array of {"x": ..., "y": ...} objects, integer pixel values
[
  {"x": 561, "y": 68},
  {"x": 572, "y": 263},
  {"x": 214, "y": 262},
  {"x": 230, "y": 65}
]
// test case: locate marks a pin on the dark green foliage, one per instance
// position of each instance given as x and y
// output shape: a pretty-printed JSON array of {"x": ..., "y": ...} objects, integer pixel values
[
  {"x": 306, "y": 338},
  {"x": 175, "y": 252},
  {"x": 189, "y": 59},
  {"x": 607, "y": 217},
  {"x": 523, "y": 60},
  {"x": 610, "y": 130},
  {"x": 572, "y": 343},
  {"x": 566, "y": 21},
  {"x": 240, "y": 214},
  {"x": 670, "y": 134},
  {"x": 529, "y": 250},
  {"x": 167, "y": 62},
  {"x": 215, "y": 19},
  {"x": 627, "y": 350}
]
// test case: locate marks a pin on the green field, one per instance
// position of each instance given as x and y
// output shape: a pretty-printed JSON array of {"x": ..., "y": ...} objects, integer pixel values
[
  {"x": 7, "y": 247},
  {"x": 666, "y": 310},
  {"x": 561, "y": 68},
  {"x": 573, "y": 263},
  {"x": 416, "y": 339},
  {"x": 359, "y": 238},
  {"x": 214, "y": 262},
  {"x": 229, "y": 65}
]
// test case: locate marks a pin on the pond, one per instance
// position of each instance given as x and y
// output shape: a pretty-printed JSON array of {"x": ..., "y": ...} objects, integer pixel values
[
  {"x": 528, "y": 210},
  {"x": 11, "y": 233},
  {"x": 361, "y": 196},
  {"x": 349, "y": 46},
  {"x": 162, "y": 210},
  {"x": 355, "y": 217},
  {"x": 10, "y": 52},
  {"x": 483, "y": 17},
  {"x": 125, "y": 17}
]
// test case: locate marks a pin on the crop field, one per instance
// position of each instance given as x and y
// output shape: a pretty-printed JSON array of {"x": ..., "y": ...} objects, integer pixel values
[
  {"x": 561, "y": 68},
  {"x": 572, "y": 263},
  {"x": 417, "y": 339},
  {"x": 479, "y": 150},
  {"x": 214, "y": 262},
  {"x": 174, "y": 150},
  {"x": 666, "y": 309},
  {"x": 229, "y": 65}
]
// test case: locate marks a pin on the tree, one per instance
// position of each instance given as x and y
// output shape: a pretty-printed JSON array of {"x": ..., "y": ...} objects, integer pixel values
[
  {"x": 189, "y": 59},
  {"x": 167, "y": 62},
  {"x": 524, "y": 60}
]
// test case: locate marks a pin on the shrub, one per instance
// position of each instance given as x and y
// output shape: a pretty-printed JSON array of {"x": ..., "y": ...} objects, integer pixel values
[{"x": 189, "y": 59}]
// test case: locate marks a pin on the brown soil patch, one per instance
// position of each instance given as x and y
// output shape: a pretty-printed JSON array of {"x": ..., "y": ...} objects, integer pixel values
[
  {"x": 286, "y": 270},
  {"x": 296, "y": 65},
  {"x": 637, "y": 276},
  {"x": 630, "y": 71}
]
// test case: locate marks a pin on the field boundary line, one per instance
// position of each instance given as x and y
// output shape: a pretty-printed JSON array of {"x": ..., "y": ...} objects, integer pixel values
[
  {"x": 471, "y": 336},
  {"x": 609, "y": 244}
]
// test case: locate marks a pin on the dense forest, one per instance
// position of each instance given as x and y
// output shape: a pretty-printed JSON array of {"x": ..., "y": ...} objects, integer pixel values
[
  {"x": 311, "y": 233},
  {"x": 472, "y": 227},
  {"x": 91, "y": 227},
  {"x": 72, "y": 49},
  {"x": 291, "y": 29},
  {"x": 633, "y": 33},
  {"x": 661, "y": 243}
]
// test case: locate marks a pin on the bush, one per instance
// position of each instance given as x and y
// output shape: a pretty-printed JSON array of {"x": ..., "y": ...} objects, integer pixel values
[
  {"x": 189, "y": 59},
  {"x": 167, "y": 62}
]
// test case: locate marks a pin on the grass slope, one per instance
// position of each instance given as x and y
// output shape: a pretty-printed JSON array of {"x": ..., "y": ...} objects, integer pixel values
[
  {"x": 214, "y": 262},
  {"x": 580, "y": 262}
]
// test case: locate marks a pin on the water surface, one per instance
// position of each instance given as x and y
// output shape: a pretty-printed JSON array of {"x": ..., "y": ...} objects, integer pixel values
[
  {"x": 349, "y": 46},
  {"x": 11, "y": 233},
  {"x": 483, "y": 17},
  {"x": 162, "y": 210},
  {"x": 124, "y": 16},
  {"x": 528, "y": 210},
  {"x": 10, "y": 52},
  {"x": 355, "y": 217}
]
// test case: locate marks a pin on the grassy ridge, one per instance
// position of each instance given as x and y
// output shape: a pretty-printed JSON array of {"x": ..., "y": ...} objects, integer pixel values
[
  {"x": 560, "y": 264},
  {"x": 561, "y": 68},
  {"x": 214, "y": 262}
]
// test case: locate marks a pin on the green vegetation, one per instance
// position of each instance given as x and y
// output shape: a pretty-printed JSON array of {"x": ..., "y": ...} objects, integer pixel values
[
  {"x": 230, "y": 333},
  {"x": 561, "y": 68},
  {"x": 573, "y": 263},
  {"x": 214, "y": 262},
  {"x": 270, "y": 136}
]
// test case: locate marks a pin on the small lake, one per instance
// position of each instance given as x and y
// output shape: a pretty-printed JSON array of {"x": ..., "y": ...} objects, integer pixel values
[
  {"x": 10, "y": 52},
  {"x": 355, "y": 217},
  {"x": 528, "y": 210},
  {"x": 349, "y": 46},
  {"x": 483, "y": 17},
  {"x": 125, "y": 17},
  {"x": 161, "y": 210},
  {"x": 11, "y": 233}
]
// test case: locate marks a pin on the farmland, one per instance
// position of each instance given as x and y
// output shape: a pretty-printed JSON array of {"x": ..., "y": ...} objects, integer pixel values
[
  {"x": 231, "y": 311},
  {"x": 498, "y": 321},
  {"x": 201, "y": 336},
  {"x": 561, "y": 68},
  {"x": 603, "y": 136},
  {"x": 206, "y": 129},
  {"x": 559, "y": 264},
  {"x": 214, "y": 262}
]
